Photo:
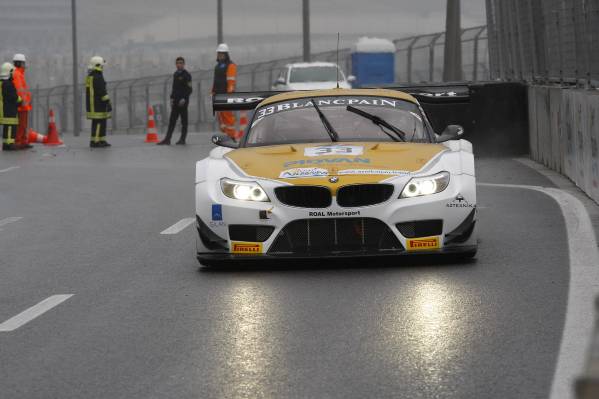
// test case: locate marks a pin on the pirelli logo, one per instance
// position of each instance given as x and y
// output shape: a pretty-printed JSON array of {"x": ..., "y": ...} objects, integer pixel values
[
  {"x": 247, "y": 248},
  {"x": 423, "y": 244}
]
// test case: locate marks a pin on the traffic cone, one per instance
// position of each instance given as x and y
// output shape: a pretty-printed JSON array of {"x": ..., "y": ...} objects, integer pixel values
[
  {"x": 35, "y": 137},
  {"x": 52, "y": 138},
  {"x": 152, "y": 134}
]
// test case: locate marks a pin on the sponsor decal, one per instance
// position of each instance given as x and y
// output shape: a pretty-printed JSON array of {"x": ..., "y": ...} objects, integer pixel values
[
  {"x": 299, "y": 173},
  {"x": 241, "y": 100},
  {"x": 247, "y": 248},
  {"x": 423, "y": 244},
  {"x": 326, "y": 161},
  {"x": 460, "y": 202},
  {"x": 324, "y": 102},
  {"x": 217, "y": 212},
  {"x": 388, "y": 172},
  {"x": 333, "y": 150},
  {"x": 329, "y": 214},
  {"x": 217, "y": 224}
]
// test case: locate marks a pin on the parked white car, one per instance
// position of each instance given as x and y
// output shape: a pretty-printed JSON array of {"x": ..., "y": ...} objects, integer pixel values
[{"x": 312, "y": 76}]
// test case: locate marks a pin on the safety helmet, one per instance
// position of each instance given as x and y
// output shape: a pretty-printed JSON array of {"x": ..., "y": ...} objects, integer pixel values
[
  {"x": 19, "y": 58},
  {"x": 222, "y": 48},
  {"x": 96, "y": 61},
  {"x": 5, "y": 70}
]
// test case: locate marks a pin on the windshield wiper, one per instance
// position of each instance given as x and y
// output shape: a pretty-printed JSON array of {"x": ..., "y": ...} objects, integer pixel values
[
  {"x": 380, "y": 122},
  {"x": 327, "y": 125}
]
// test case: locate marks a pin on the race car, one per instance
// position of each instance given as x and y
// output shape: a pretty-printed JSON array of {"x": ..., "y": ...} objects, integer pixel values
[{"x": 334, "y": 173}]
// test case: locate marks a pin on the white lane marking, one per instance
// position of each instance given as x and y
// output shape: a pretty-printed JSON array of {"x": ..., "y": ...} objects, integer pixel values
[
  {"x": 8, "y": 169},
  {"x": 179, "y": 226},
  {"x": 10, "y": 220},
  {"x": 35, "y": 311},
  {"x": 582, "y": 289}
]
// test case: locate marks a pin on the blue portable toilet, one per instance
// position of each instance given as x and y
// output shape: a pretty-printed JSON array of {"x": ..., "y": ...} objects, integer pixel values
[{"x": 373, "y": 62}]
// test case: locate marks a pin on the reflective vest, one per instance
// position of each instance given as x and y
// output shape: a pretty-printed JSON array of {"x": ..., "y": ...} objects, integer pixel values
[
  {"x": 97, "y": 101},
  {"x": 9, "y": 101},
  {"x": 225, "y": 78},
  {"x": 22, "y": 89}
]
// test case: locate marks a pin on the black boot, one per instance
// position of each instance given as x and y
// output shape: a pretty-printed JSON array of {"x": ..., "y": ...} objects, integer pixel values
[
  {"x": 9, "y": 147},
  {"x": 93, "y": 144},
  {"x": 181, "y": 141},
  {"x": 164, "y": 142}
]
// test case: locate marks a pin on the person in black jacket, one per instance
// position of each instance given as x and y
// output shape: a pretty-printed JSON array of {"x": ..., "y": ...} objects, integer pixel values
[
  {"x": 179, "y": 102},
  {"x": 97, "y": 102},
  {"x": 9, "y": 100}
]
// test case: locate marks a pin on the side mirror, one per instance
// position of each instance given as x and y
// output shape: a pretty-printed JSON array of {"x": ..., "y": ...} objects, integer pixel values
[
  {"x": 222, "y": 140},
  {"x": 351, "y": 78},
  {"x": 451, "y": 132},
  {"x": 279, "y": 82}
]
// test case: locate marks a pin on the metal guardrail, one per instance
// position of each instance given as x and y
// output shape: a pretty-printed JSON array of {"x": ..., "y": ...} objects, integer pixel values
[
  {"x": 550, "y": 41},
  {"x": 418, "y": 59}
]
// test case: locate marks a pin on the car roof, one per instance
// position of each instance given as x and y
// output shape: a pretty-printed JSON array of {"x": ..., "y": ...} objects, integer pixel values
[
  {"x": 311, "y": 64},
  {"x": 293, "y": 95}
]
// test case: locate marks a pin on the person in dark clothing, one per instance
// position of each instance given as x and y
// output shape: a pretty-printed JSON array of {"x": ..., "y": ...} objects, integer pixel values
[
  {"x": 9, "y": 102},
  {"x": 179, "y": 102},
  {"x": 97, "y": 102}
]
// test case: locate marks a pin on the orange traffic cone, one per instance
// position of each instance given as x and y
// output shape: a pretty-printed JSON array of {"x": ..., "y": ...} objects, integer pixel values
[
  {"x": 52, "y": 138},
  {"x": 152, "y": 134},
  {"x": 35, "y": 137}
]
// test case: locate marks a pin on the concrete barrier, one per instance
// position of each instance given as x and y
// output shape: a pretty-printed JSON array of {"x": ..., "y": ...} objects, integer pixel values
[{"x": 564, "y": 133}]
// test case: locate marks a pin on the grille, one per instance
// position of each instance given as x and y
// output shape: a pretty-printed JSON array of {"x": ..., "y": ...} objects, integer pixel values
[
  {"x": 421, "y": 228},
  {"x": 304, "y": 196},
  {"x": 364, "y": 194},
  {"x": 330, "y": 235},
  {"x": 243, "y": 232}
]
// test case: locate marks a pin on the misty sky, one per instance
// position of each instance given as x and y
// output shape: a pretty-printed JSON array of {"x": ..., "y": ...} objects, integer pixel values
[{"x": 168, "y": 20}]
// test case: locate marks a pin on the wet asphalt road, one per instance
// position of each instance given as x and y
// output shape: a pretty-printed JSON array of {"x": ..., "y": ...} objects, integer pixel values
[{"x": 145, "y": 322}]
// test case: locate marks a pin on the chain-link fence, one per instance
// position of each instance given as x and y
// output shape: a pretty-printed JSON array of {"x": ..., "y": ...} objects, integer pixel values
[
  {"x": 418, "y": 59},
  {"x": 545, "y": 41}
]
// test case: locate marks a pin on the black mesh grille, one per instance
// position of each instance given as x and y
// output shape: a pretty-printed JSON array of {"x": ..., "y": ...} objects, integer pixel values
[
  {"x": 364, "y": 194},
  {"x": 421, "y": 228},
  {"x": 242, "y": 232},
  {"x": 304, "y": 196},
  {"x": 330, "y": 235}
]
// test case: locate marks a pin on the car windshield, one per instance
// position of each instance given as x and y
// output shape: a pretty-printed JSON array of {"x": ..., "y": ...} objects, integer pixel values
[
  {"x": 296, "y": 121},
  {"x": 314, "y": 74}
]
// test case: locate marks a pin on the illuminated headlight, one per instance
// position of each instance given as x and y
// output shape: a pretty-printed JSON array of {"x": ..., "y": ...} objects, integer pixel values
[
  {"x": 243, "y": 190},
  {"x": 428, "y": 185}
]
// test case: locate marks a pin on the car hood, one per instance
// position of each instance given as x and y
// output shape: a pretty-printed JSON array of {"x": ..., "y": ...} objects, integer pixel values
[{"x": 334, "y": 163}]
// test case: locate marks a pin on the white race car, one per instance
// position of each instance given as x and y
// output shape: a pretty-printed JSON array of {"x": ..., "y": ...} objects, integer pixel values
[{"x": 335, "y": 173}]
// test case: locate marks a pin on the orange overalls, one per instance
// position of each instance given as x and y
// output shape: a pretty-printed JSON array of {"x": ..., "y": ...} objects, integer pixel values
[
  {"x": 226, "y": 82},
  {"x": 22, "y": 137}
]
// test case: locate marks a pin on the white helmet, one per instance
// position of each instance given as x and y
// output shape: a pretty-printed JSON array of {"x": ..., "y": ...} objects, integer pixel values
[
  {"x": 19, "y": 57},
  {"x": 222, "y": 48},
  {"x": 5, "y": 70},
  {"x": 96, "y": 61}
]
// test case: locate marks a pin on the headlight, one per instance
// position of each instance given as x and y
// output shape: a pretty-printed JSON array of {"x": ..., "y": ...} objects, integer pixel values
[
  {"x": 243, "y": 190},
  {"x": 428, "y": 185}
]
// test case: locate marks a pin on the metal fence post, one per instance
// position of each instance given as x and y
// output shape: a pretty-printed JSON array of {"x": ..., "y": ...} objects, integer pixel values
[
  {"x": 131, "y": 106},
  {"x": 115, "y": 107},
  {"x": 431, "y": 57},
  {"x": 409, "y": 58}
]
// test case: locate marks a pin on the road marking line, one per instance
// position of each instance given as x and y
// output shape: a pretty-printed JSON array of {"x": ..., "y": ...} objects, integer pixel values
[
  {"x": 179, "y": 226},
  {"x": 10, "y": 220},
  {"x": 35, "y": 311},
  {"x": 7, "y": 169},
  {"x": 582, "y": 289}
]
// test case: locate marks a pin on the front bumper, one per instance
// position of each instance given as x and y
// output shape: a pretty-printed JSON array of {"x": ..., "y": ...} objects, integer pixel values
[{"x": 213, "y": 257}]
